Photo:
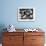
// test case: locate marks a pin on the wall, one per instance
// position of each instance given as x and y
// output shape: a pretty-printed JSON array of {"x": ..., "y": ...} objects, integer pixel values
[{"x": 8, "y": 13}]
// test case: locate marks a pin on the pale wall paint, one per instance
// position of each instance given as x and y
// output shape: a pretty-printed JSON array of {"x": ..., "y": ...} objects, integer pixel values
[{"x": 8, "y": 13}]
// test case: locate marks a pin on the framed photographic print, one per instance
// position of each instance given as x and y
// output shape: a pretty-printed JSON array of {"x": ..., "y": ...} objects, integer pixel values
[{"x": 26, "y": 14}]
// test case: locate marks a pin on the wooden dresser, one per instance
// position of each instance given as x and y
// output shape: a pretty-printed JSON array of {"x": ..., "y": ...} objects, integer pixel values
[{"x": 23, "y": 39}]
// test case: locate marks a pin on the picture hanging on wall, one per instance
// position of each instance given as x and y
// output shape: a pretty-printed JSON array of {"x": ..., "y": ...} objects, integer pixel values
[{"x": 26, "y": 14}]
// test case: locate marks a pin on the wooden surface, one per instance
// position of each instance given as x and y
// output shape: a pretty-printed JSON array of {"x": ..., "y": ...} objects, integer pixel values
[{"x": 23, "y": 39}]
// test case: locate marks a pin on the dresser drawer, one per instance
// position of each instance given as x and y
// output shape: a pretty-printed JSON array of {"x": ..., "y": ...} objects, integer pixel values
[
  {"x": 34, "y": 33},
  {"x": 37, "y": 44},
  {"x": 12, "y": 39},
  {"x": 13, "y": 33},
  {"x": 37, "y": 39},
  {"x": 13, "y": 44}
]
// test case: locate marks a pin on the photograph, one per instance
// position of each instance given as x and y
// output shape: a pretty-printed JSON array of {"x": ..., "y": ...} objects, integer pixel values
[{"x": 26, "y": 14}]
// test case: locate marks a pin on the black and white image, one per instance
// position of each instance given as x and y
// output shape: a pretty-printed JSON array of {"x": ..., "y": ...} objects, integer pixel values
[{"x": 26, "y": 14}]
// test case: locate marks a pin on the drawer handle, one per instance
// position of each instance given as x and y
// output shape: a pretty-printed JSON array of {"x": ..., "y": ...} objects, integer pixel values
[
  {"x": 11, "y": 38},
  {"x": 33, "y": 39}
]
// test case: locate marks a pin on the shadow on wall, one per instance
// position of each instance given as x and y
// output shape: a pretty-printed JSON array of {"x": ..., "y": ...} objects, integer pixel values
[{"x": 2, "y": 26}]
